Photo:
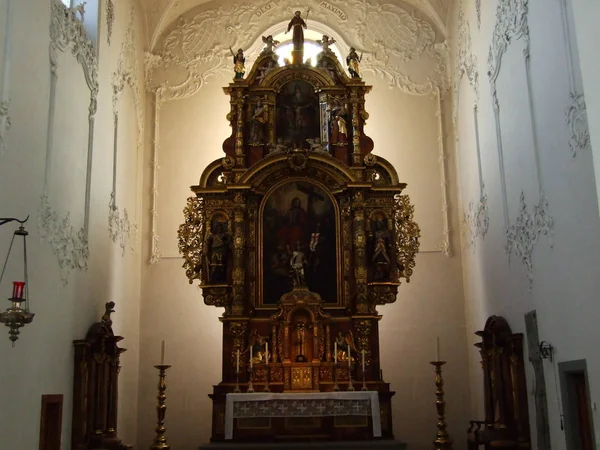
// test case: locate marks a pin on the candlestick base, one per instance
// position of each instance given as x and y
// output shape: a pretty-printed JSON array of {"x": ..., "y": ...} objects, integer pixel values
[
  {"x": 250, "y": 377},
  {"x": 237, "y": 389},
  {"x": 266, "y": 389},
  {"x": 364, "y": 383},
  {"x": 442, "y": 439},
  {"x": 160, "y": 441},
  {"x": 350, "y": 385}
]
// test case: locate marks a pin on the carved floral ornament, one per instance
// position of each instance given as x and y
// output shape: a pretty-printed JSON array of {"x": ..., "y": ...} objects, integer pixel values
[{"x": 390, "y": 38}]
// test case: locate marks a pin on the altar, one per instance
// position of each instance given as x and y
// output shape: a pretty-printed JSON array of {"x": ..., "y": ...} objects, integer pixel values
[
  {"x": 298, "y": 233},
  {"x": 362, "y": 404}
]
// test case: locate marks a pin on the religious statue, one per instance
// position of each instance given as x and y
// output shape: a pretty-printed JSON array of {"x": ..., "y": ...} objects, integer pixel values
[
  {"x": 301, "y": 341},
  {"x": 267, "y": 67},
  {"x": 270, "y": 44},
  {"x": 297, "y": 23},
  {"x": 217, "y": 249},
  {"x": 297, "y": 263},
  {"x": 325, "y": 42},
  {"x": 259, "y": 350},
  {"x": 379, "y": 243},
  {"x": 381, "y": 261},
  {"x": 239, "y": 63},
  {"x": 108, "y": 311},
  {"x": 337, "y": 118},
  {"x": 259, "y": 118},
  {"x": 353, "y": 61}
]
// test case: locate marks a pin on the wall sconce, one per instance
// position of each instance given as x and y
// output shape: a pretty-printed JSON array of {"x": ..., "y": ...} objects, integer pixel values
[
  {"x": 546, "y": 350},
  {"x": 18, "y": 314}
]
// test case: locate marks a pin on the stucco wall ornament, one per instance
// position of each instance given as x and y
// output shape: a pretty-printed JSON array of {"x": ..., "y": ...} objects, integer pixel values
[
  {"x": 110, "y": 19},
  {"x": 575, "y": 112},
  {"x": 478, "y": 12},
  {"x": 121, "y": 229},
  {"x": 476, "y": 220},
  {"x": 523, "y": 235},
  {"x": 5, "y": 78},
  {"x": 69, "y": 245},
  {"x": 577, "y": 122},
  {"x": 388, "y": 36}
]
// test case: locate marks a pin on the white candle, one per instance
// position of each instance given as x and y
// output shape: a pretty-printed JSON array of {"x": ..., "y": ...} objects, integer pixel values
[
  {"x": 162, "y": 353},
  {"x": 251, "y": 357},
  {"x": 266, "y": 353},
  {"x": 437, "y": 349},
  {"x": 363, "y": 360},
  {"x": 335, "y": 352},
  {"x": 237, "y": 363}
]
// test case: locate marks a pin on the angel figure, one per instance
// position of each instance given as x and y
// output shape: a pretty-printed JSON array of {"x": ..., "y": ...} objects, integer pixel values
[
  {"x": 353, "y": 62},
  {"x": 270, "y": 44},
  {"x": 239, "y": 63},
  {"x": 280, "y": 147},
  {"x": 316, "y": 145},
  {"x": 345, "y": 345},
  {"x": 325, "y": 42}
]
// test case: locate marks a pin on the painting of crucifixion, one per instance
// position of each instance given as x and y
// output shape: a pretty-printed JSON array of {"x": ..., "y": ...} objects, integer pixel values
[{"x": 299, "y": 242}]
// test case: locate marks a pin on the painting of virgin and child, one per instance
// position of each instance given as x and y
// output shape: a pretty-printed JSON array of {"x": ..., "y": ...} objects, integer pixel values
[{"x": 299, "y": 242}]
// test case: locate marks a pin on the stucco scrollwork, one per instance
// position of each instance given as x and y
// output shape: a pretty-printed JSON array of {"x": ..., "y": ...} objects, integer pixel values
[
  {"x": 69, "y": 245},
  {"x": 121, "y": 229},
  {"x": 478, "y": 12},
  {"x": 577, "y": 122},
  {"x": 4, "y": 123},
  {"x": 67, "y": 33},
  {"x": 466, "y": 60},
  {"x": 110, "y": 19},
  {"x": 476, "y": 220},
  {"x": 511, "y": 24},
  {"x": 387, "y": 34},
  {"x": 523, "y": 235}
]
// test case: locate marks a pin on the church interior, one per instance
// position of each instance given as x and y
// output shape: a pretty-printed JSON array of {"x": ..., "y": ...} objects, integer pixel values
[{"x": 269, "y": 224}]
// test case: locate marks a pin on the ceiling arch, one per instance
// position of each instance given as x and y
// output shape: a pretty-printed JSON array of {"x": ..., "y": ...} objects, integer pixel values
[{"x": 160, "y": 14}]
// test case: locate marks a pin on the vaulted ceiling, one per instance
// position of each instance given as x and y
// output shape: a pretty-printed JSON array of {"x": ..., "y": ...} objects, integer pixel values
[{"x": 161, "y": 13}]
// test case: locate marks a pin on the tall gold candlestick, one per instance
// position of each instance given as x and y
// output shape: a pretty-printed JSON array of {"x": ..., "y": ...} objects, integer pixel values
[
  {"x": 442, "y": 439},
  {"x": 160, "y": 441}
]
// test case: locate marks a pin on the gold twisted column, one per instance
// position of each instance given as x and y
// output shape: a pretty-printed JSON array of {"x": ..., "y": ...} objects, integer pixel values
[
  {"x": 160, "y": 441},
  {"x": 239, "y": 260},
  {"x": 442, "y": 439}
]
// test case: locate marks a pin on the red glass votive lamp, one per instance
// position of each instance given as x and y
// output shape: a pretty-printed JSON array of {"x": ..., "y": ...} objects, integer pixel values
[{"x": 18, "y": 289}]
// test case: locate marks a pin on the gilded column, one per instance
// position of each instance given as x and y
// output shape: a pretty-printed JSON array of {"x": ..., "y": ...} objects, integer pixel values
[
  {"x": 239, "y": 260},
  {"x": 271, "y": 100},
  {"x": 360, "y": 260},
  {"x": 240, "y": 159},
  {"x": 355, "y": 101},
  {"x": 274, "y": 344}
]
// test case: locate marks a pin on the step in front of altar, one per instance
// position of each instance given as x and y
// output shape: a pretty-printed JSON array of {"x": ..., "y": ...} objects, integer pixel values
[{"x": 386, "y": 444}]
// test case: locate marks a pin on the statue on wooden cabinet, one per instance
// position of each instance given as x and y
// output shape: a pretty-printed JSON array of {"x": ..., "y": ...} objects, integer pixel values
[
  {"x": 279, "y": 147},
  {"x": 298, "y": 24},
  {"x": 301, "y": 341},
  {"x": 337, "y": 120},
  {"x": 316, "y": 145},
  {"x": 239, "y": 63},
  {"x": 259, "y": 119},
  {"x": 345, "y": 345},
  {"x": 217, "y": 249},
  {"x": 380, "y": 247},
  {"x": 107, "y": 312},
  {"x": 297, "y": 263},
  {"x": 353, "y": 62}
]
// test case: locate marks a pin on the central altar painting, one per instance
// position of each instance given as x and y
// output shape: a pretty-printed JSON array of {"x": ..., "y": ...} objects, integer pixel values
[
  {"x": 298, "y": 233},
  {"x": 299, "y": 221}
]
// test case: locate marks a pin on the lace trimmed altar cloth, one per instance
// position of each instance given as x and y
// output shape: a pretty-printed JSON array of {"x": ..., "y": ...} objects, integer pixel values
[{"x": 313, "y": 404}]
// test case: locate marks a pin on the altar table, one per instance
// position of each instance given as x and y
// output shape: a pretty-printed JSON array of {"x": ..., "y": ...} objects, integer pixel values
[{"x": 311, "y": 404}]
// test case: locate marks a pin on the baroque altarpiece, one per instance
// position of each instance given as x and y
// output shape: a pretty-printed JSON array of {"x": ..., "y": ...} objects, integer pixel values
[{"x": 299, "y": 232}]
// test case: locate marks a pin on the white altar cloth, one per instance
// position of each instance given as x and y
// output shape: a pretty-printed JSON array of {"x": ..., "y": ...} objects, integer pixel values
[{"x": 310, "y": 404}]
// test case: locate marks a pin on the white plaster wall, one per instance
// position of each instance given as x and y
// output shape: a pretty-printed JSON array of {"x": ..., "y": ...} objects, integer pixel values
[
  {"x": 565, "y": 282},
  {"x": 42, "y": 361},
  {"x": 588, "y": 33},
  {"x": 190, "y": 134}
]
